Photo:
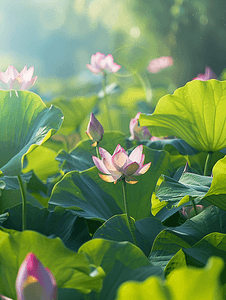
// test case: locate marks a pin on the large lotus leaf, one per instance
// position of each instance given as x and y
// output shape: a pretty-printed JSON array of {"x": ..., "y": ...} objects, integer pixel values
[
  {"x": 42, "y": 162},
  {"x": 217, "y": 192},
  {"x": 170, "y": 241},
  {"x": 80, "y": 158},
  {"x": 70, "y": 228},
  {"x": 213, "y": 244},
  {"x": 99, "y": 199},
  {"x": 75, "y": 111},
  {"x": 190, "y": 186},
  {"x": 25, "y": 122},
  {"x": 195, "y": 113},
  {"x": 186, "y": 283},
  {"x": 71, "y": 270},
  {"x": 117, "y": 229},
  {"x": 120, "y": 261}
]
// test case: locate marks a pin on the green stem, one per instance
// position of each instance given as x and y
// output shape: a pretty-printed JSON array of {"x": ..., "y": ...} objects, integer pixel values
[
  {"x": 106, "y": 102},
  {"x": 24, "y": 202},
  {"x": 207, "y": 170},
  {"x": 194, "y": 206},
  {"x": 131, "y": 227},
  {"x": 97, "y": 150}
]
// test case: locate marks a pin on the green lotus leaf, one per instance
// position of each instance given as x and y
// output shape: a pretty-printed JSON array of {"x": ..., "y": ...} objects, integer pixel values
[
  {"x": 186, "y": 283},
  {"x": 195, "y": 113},
  {"x": 217, "y": 192},
  {"x": 121, "y": 261},
  {"x": 25, "y": 123}
]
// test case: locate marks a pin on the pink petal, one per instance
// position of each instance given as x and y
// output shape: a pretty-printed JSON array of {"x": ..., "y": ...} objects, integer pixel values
[
  {"x": 112, "y": 170},
  {"x": 12, "y": 71},
  {"x": 93, "y": 69},
  {"x": 4, "y": 77},
  {"x": 27, "y": 75},
  {"x": 120, "y": 160},
  {"x": 144, "y": 169},
  {"x": 24, "y": 70},
  {"x": 115, "y": 68},
  {"x": 16, "y": 83},
  {"x": 136, "y": 154},
  {"x": 119, "y": 148},
  {"x": 100, "y": 165},
  {"x": 109, "y": 178},
  {"x": 29, "y": 84},
  {"x": 5, "y": 298},
  {"x": 104, "y": 154}
]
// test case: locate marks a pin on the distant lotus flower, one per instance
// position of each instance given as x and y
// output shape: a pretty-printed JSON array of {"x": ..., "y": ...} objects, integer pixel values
[
  {"x": 120, "y": 165},
  {"x": 209, "y": 74},
  {"x": 159, "y": 64},
  {"x": 137, "y": 132},
  {"x": 189, "y": 212},
  {"x": 100, "y": 62},
  {"x": 95, "y": 130},
  {"x": 13, "y": 80}
]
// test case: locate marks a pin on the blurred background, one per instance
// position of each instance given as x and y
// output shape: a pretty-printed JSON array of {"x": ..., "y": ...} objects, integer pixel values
[{"x": 58, "y": 37}]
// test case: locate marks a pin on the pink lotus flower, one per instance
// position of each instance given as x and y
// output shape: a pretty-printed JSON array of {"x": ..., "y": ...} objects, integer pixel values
[
  {"x": 120, "y": 165},
  {"x": 159, "y": 64},
  {"x": 137, "y": 132},
  {"x": 189, "y": 212},
  {"x": 34, "y": 281},
  {"x": 13, "y": 80},
  {"x": 100, "y": 62},
  {"x": 95, "y": 130},
  {"x": 209, "y": 74}
]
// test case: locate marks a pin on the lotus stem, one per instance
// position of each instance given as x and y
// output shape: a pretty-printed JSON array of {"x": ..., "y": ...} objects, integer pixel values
[
  {"x": 106, "y": 101},
  {"x": 207, "y": 170},
  {"x": 131, "y": 227},
  {"x": 97, "y": 150},
  {"x": 24, "y": 202},
  {"x": 194, "y": 206}
]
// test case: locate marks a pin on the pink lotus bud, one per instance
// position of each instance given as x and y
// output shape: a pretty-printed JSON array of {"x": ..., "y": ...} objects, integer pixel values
[
  {"x": 137, "y": 132},
  {"x": 159, "y": 64},
  {"x": 34, "y": 281},
  {"x": 209, "y": 74},
  {"x": 120, "y": 165},
  {"x": 13, "y": 80},
  {"x": 189, "y": 212},
  {"x": 95, "y": 130},
  {"x": 100, "y": 62}
]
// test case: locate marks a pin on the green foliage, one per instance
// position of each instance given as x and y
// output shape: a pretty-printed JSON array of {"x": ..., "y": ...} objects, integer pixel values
[
  {"x": 194, "y": 113},
  {"x": 25, "y": 123},
  {"x": 71, "y": 229},
  {"x": 185, "y": 283},
  {"x": 99, "y": 199},
  {"x": 120, "y": 261},
  {"x": 79, "y": 272}
]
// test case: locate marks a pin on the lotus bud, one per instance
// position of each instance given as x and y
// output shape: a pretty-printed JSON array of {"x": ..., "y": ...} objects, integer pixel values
[
  {"x": 95, "y": 130},
  {"x": 34, "y": 282}
]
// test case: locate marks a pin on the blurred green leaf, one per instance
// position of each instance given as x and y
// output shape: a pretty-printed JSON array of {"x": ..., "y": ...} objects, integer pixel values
[
  {"x": 75, "y": 111},
  {"x": 120, "y": 261},
  {"x": 194, "y": 113},
  {"x": 186, "y": 283},
  {"x": 25, "y": 123},
  {"x": 42, "y": 161}
]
